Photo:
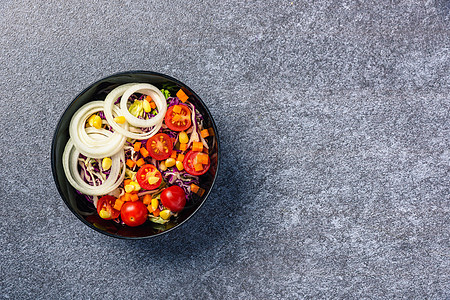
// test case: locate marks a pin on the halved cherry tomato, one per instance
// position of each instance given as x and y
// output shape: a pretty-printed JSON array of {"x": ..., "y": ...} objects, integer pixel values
[
  {"x": 134, "y": 213},
  {"x": 148, "y": 177},
  {"x": 190, "y": 161},
  {"x": 178, "y": 121},
  {"x": 160, "y": 146},
  {"x": 174, "y": 198},
  {"x": 105, "y": 208}
]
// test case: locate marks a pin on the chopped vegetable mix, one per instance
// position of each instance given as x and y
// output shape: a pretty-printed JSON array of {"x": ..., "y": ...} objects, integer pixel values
[{"x": 156, "y": 166}]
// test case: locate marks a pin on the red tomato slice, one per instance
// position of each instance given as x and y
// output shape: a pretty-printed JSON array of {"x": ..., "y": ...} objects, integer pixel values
[
  {"x": 105, "y": 208},
  {"x": 147, "y": 176},
  {"x": 178, "y": 121},
  {"x": 190, "y": 161},
  {"x": 160, "y": 146}
]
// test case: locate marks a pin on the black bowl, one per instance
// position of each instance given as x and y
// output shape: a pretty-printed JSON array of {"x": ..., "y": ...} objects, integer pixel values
[{"x": 82, "y": 208}]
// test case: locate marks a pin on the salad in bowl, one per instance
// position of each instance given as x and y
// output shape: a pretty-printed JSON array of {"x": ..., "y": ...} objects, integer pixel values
[{"x": 135, "y": 154}]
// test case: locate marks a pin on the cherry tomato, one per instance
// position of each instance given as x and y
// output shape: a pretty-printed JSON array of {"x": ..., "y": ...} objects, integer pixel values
[
  {"x": 160, "y": 146},
  {"x": 148, "y": 177},
  {"x": 134, "y": 213},
  {"x": 178, "y": 121},
  {"x": 105, "y": 208},
  {"x": 190, "y": 161},
  {"x": 173, "y": 198}
]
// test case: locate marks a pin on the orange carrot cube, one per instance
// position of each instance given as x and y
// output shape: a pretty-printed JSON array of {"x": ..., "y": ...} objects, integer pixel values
[
  {"x": 204, "y": 133},
  {"x": 130, "y": 163},
  {"x": 140, "y": 162},
  {"x": 144, "y": 152},
  {"x": 194, "y": 188},
  {"x": 118, "y": 204},
  {"x": 134, "y": 197},
  {"x": 137, "y": 146},
  {"x": 198, "y": 167},
  {"x": 180, "y": 157},
  {"x": 197, "y": 146},
  {"x": 147, "y": 199},
  {"x": 182, "y": 95},
  {"x": 202, "y": 158},
  {"x": 177, "y": 109}
]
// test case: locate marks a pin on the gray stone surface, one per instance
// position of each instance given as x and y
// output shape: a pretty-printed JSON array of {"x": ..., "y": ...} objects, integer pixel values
[{"x": 334, "y": 118}]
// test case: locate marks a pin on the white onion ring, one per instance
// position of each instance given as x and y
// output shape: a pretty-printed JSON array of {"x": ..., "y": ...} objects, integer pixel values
[
  {"x": 109, "y": 106},
  {"x": 157, "y": 97},
  {"x": 94, "y": 147},
  {"x": 70, "y": 165}
]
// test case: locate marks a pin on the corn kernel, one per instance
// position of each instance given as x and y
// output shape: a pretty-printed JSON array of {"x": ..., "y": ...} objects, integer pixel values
[
  {"x": 162, "y": 166},
  {"x": 129, "y": 188},
  {"x": 104, "y": 214},
  {"x": 136, "y": 186},
  {"x": 155, "y": 203},
  {"x": 106, "y": 163},
  {"x": 183, "y": 137},
  {"x": 170, "y": 162},
  {"x": 147, "y": 107},
  {"x": 153, "y": 180},
  {"x": 95, "y": 121},
  {"x": 120, "y": 119},
  {"x": 165, "y": 214},
  {"x": 179, "y": 165}
]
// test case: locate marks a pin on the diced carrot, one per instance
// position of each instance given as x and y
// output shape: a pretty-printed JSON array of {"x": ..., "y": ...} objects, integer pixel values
[
  {"x": 204, "y": 133},
  {"x": 118, "y": 204},
  {"x": 134, "y": 197},
  {"x": 174, "y": 154},
  {"x": 140, "y": 162},
  {"x": 180, "y": 157},
  {"x": 130, "y": 163},
  {"x": 149, "y": 99},
  {"x": 182, "y": 95},
  {"x": 176, "y": 109},
  {"x": 156, "y": 212},
  {"x": 211, "y": 131},
  {"x": 183, "y": 147},
  {"x": 197, "y": 146},
  {"x": 194, "y": 188},
  {"x": 126, "y": 182},
  {"x": 202, "y": 158},
  {"x": 144, "y": 152},
  {"x": 147, "y": 199},
  {"x": 126, "y": 197},
  {"x": 198, "y": 167},
  {"x": 149, "y": 208},
  {"x": 137, "y": 146},
  {"x": 200, "y": 192},
  {"x": 152, "y": 104}
]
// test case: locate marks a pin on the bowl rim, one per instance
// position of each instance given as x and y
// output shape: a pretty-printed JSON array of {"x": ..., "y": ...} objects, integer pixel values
[{"x": 53, "y": 154}]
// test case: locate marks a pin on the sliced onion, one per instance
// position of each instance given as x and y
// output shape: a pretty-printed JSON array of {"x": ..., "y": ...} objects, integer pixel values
[
  {"x": 70, "y": 165},
  {"x": 106, "y": 145},
  {"x": 157, "y": 97},
  {"x": 109, "y": 106}
]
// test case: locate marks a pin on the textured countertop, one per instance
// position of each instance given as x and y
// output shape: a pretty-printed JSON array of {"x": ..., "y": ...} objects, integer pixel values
[{"x": 334, "y": 119}]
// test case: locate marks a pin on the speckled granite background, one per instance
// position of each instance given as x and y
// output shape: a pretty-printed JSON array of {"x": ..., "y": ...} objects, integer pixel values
[{"x": 334, "y": 118}]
